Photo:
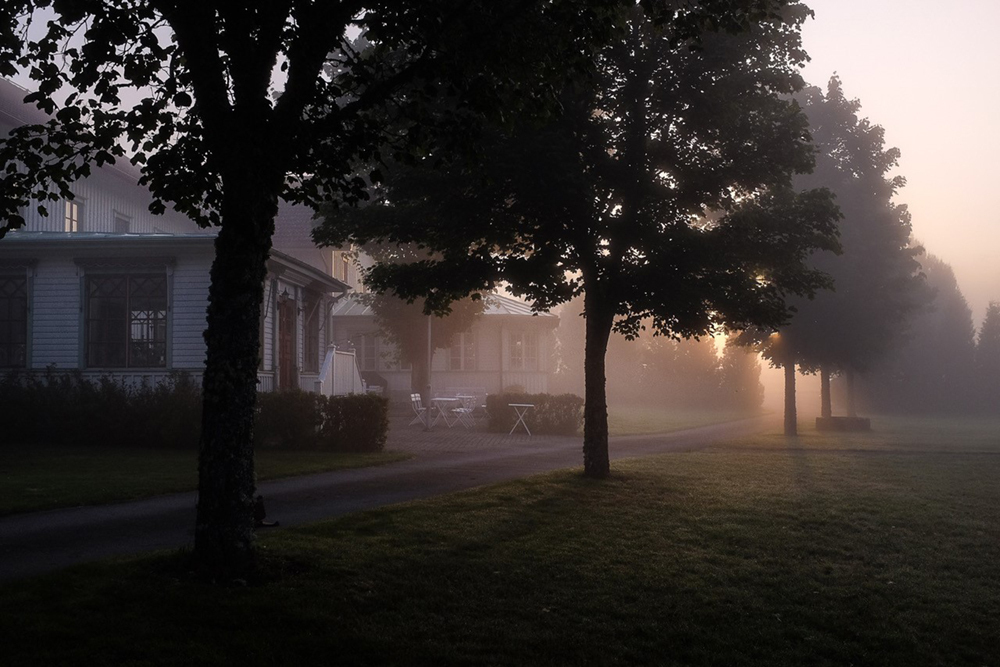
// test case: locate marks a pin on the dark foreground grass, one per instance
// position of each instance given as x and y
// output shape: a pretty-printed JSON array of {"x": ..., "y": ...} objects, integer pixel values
[
  {"x": 726, "y": 557},
  {"x": 39, "y": 477}
]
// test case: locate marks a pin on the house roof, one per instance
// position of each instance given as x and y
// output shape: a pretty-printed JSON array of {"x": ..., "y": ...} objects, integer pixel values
[
  {"x": 288, "y": 266},
  {"x": 29, "y": 239},
  {"x": 496, "y": 305}
]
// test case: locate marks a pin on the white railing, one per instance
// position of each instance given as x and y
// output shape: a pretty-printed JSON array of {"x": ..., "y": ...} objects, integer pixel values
[
  {"x": 265, "y": 382},
  {"x": 339, "y": 374}
]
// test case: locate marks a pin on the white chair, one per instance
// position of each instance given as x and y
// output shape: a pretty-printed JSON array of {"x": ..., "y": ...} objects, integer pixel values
[
  {"x": 419, "y": 411},
  {"x": 464, "y": 413}
]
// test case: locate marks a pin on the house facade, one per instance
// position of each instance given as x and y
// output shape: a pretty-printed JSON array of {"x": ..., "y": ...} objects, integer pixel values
[
  {"x": 507, "y": 348},
  {"x": 102, "y": 286}
]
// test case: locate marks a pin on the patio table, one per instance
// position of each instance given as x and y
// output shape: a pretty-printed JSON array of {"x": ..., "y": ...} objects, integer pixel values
[
  {"x": 445, "y": 405},
  {"x": 520, "y": 409}
]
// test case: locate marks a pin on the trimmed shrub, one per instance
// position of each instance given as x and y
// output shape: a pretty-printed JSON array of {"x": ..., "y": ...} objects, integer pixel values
[
  {"x": 66, "y": 408},
  {"x": 552, "y": 415},
  {"x": 355, "y": 423},
  {"x": 288, "y": 419},
  {"x": 296, "y": 419}
]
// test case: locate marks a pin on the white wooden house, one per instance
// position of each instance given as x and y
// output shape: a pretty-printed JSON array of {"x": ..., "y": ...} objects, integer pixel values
[
  {"x": 102, "y": 286},
  {"x": 507, "y": 347}
]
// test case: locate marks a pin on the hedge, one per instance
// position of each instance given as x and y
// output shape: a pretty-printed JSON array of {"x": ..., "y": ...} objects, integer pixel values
[
  {"x": 552, "y": 415},
  {"x": 301, "y": 420},
  {"x": 66, "y": 408}
]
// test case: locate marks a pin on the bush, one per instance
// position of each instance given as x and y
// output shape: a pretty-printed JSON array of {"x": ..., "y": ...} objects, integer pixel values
[
  {"x": 355, "y": 423},
  {"x": 552, "y": 415},
  {"x": 299, "y": 420},
  {"x": 66, "y": 408}
]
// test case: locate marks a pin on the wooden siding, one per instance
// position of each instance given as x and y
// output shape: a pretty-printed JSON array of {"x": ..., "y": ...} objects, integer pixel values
[
  {"x": 103, "y": 196},
  {"x": 188, "y": 312},
  {"x": 56, "y": 314}
]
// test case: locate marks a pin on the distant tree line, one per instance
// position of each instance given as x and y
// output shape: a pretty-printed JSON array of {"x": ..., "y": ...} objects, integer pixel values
[{"x": 941, "y": 364}]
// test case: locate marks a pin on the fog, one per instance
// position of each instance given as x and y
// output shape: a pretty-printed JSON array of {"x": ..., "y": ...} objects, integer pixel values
[{"x": 927, "y": 73}]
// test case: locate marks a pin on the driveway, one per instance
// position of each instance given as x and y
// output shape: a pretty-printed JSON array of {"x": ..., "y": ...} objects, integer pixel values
[{"x": 444, "y": 460}]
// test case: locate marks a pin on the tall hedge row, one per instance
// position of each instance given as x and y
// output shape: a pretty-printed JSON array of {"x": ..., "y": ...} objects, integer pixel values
[
  {"x": 552, "y": 415},
  {"x": 66, "y": 408}
]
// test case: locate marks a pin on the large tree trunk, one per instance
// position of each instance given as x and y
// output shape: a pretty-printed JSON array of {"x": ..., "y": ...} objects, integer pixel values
[
  {"x": 595, "y": 411},
  {"x": 224, "y": 531},
  {"x": 791, "y": 418},
  {"x": 826, "y": 405}
]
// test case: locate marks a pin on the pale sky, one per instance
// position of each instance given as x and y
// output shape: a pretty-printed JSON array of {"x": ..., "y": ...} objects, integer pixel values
[{"x": 929, "y": 73}]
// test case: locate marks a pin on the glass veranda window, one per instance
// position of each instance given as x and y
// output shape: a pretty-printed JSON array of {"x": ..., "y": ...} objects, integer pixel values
[{"x": 127, "y": 321}]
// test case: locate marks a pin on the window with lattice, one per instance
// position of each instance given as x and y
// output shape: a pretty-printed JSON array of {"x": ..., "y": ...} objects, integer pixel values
[{"x": 126, "y": 321}]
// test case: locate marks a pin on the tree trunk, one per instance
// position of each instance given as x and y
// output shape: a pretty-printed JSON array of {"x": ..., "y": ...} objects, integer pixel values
[
  {"x": 224, "y": 531},
  {"x": 852, "y": 411},
  {"x": 826, "y": 407},
  {"x": 596, "y": 462},
  {"x": 791, "y": 418}
]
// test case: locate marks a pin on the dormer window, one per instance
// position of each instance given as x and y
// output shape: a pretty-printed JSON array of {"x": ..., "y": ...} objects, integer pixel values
[{"x": 71, "y": 219}]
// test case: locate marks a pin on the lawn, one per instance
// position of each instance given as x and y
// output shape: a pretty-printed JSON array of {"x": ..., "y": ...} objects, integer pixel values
[
  {"x": 37, "y": 477},
  {"x": 747, "y": 553},
  {"x": 641, "y": 420}
]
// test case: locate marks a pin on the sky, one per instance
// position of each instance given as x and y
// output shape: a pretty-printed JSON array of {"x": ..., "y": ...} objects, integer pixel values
[{"x": 929, "y": 73}]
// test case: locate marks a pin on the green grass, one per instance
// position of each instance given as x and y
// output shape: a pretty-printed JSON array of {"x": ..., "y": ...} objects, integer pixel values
[
  {"x": 36, "y": 477},
  {"x": 748, "y": 554},
  {"x": 639, "y": 420},
  {"x": 896, "y": 433}
]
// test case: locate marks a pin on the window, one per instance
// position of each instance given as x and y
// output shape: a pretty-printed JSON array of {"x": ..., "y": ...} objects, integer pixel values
[
  {"x": 126, "y": 321},
  {"x": 71, "y": 218},
  {"x": 463, "y": 352},
  {"x": 311, "y": 303},
  {"x": 523, "y": 351},
  {"x": 122, "y": 224},
  {"x": 13, "y": 321}
]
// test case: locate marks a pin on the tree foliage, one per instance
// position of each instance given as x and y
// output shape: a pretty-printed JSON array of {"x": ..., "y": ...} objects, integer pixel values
[
  {"x": 988, "y": 359},
  {"x": 932, "y": 369},
  {"x": 876, "y": 276},
  {"x": 661, "y": 193}
]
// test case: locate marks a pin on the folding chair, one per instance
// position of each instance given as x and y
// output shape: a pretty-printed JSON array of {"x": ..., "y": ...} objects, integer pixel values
[{"x": 419, "y": 411}]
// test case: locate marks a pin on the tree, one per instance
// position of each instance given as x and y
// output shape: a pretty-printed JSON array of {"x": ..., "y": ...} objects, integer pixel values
[
  {"x": 932, "y": 369},
  {"x": 876, "y": 277},
  {"x": 988, "y": 358},
  {"x": 405, "y": 323},
  {"x": 233, "y": 112},
  {"x": 610, "y": 198}
]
